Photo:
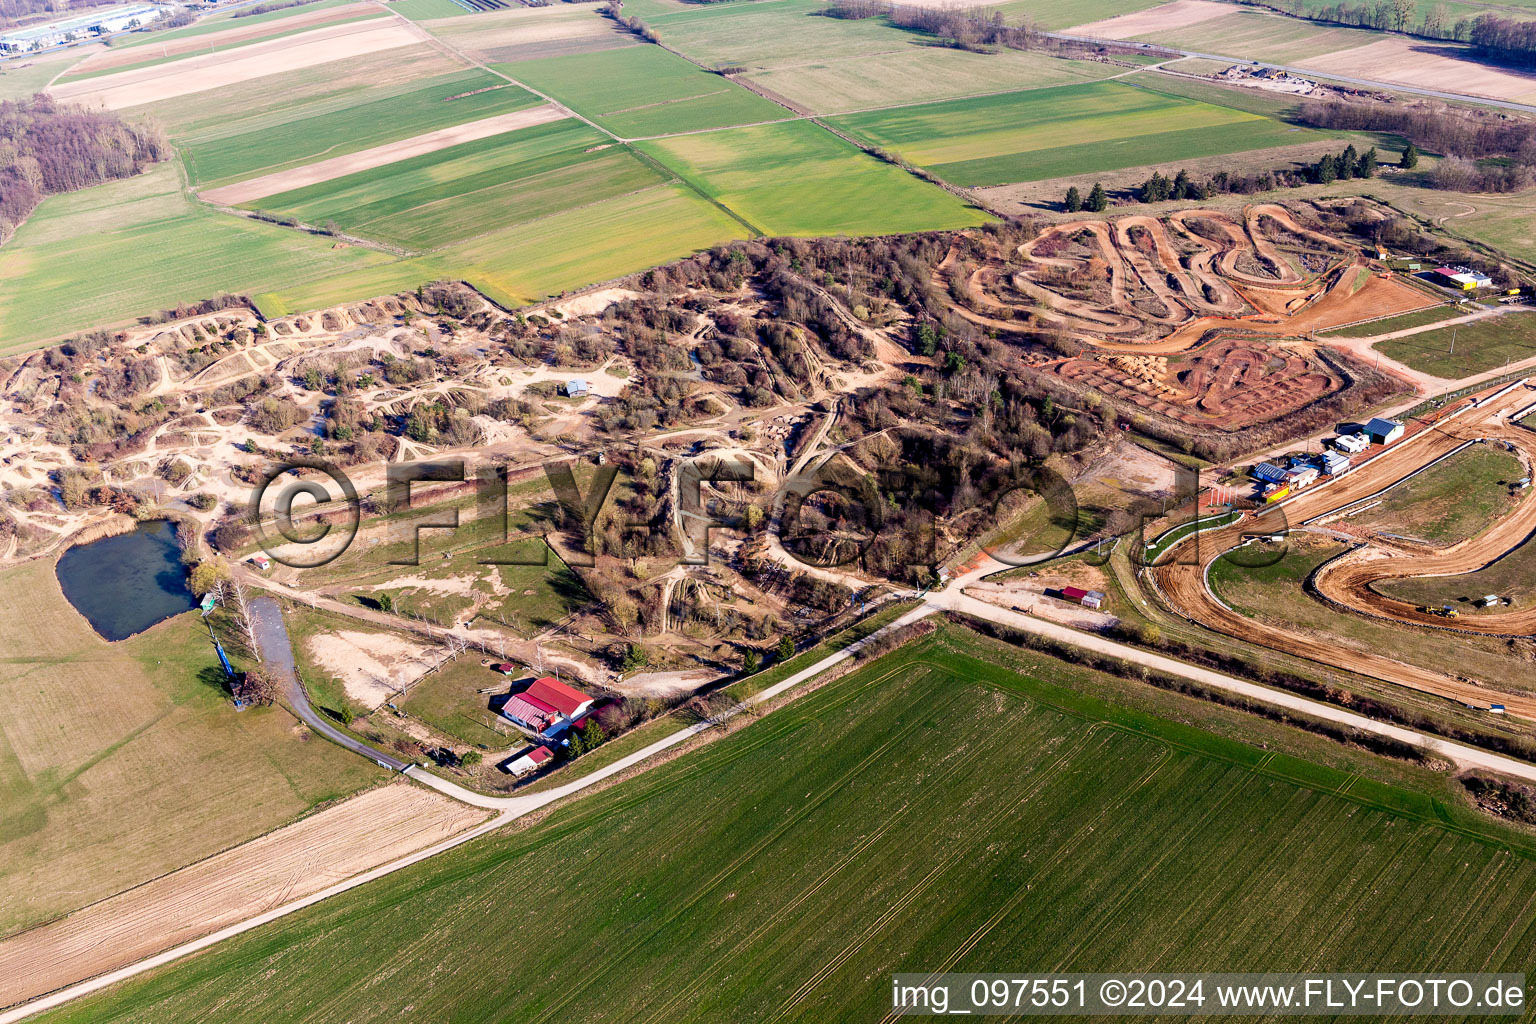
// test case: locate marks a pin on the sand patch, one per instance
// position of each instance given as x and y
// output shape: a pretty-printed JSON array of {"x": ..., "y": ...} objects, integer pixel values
[
  {"x": 592, "y": 303},
  {"x": 230, "y": 67},
  {"x": 238, "y": 34},
  {"x": 1425, "y": 65},
  {"x": 379, "y": 156},
  {"x": 297, "y": 860},
  {"x": 1178, "y": 14},
  {"x": 370, "y": 666}
]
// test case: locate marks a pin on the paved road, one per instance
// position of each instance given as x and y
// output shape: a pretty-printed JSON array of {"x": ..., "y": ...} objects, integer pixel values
[
  {"x": 1325, "y": 75},
  {"x": 277, "y": 655}
]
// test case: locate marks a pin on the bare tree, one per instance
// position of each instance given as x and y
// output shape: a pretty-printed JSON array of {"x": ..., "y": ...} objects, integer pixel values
[{"x": 240, "y": 613}]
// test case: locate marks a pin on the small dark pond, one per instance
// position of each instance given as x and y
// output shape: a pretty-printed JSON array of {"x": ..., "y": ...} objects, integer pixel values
[{"x": 125, "y": 584}]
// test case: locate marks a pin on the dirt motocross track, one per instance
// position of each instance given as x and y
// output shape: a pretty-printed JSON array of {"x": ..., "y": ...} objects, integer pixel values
[
  {"x": 1194, "y": 316},
  {"x": 1346, "y": 582}
]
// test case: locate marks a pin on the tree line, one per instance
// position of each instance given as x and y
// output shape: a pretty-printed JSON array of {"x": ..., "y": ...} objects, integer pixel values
[
  {"x": 1501, "y": 38},
  {"x": 48, "y": 147}
]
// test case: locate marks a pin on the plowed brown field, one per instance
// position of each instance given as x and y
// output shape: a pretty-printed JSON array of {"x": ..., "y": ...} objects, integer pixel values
[{"x": 363, "y": 832}]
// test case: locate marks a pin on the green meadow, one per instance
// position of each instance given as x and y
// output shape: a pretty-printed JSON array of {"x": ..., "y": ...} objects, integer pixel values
[
  {"x": 434, "y": 199},
  {"x": 242, "y": 149},
  {"x": 640, "y": 91},
  {"x": 1049, "y": 133},
  {"x": 798, "y": 179},
  {"x": 108, "y": 254},
  {"x": 958, "y": 806},
  {"x": 543, "y": 257}
]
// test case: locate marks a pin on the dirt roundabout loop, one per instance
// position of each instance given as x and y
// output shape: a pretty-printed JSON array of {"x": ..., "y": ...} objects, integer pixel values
[
  {"x": 1348, "y": 582},
  {"x": 1197, "y": 316}
]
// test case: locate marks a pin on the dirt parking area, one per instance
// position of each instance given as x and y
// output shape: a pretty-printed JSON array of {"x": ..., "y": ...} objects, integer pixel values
[
  {"x": 1426, "y": 65},
  {"x": 230, "y": 67},
  {"x": 379, "y": 156},
  {"x": 1179, "y": 14},
  {"x": 356, "y": 835},
  {"x": 370, "y": 666}
]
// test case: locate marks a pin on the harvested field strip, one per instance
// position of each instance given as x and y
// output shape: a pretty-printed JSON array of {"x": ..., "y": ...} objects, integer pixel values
[
  {"x": 931, "y": 808},
  {"x": 380, "y": 156},
  {"x": 1262, "y": 36},
  {"x": 797, "y": 179},
  {"x": 640, "y": 91},
  {"x": 1047, "y": 133},
  {"x": 437, "y": 199},
  {"x": 242, "y": 64},
  {"x": 1164, "y": 17},
  {"x": 225, "y": 20},
  {"x": 1425, "y": 65},
  {"x": 118, "y": 59},
  {"x": 359, "y": 833},
  {"x": 437, "y": 109},
  {"x": 272, "y": 103}
]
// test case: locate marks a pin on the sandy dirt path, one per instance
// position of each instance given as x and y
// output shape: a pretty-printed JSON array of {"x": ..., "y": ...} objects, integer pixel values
[
  {"x": 379, "y": 156},
  {"x": 357, "y": 834},
  {"x": 229, "y": 67}
]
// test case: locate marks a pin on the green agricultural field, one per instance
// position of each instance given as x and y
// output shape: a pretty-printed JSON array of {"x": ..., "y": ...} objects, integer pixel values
[
  {"x": 450, "y": 701},
  {"x": 425, "y": 10},
  {"x": 931, "y": 810},
  {"x": 1452, "y": 501},
  {"x": 1402, "y": 322},
  {"x": 641, "y": 91},
  {"x": 247, "y": 147},
  {"x": 26, "y": 75},
  {"x": 529, "y": 262},
  {"x": 1049, "y": 133},
  {"x": 438, "y": 198},
  {"x": 107, "y": 254},
  {"x": 798, "y": 179},
  {"x": 1478, "y": 346},
  {"x": 120, "y": 762},
  {"x": 273, "y": 101}
]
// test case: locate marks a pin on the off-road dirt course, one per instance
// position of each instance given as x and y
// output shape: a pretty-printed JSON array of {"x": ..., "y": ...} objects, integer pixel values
[
  {"x": 363, "y": 832},
  {"x": 1198, "y": 284},
  {"x": 1347, "y": 580}
]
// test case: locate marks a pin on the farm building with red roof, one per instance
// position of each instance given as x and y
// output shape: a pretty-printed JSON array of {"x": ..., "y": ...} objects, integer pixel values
[{"x": 546, "y": 706}]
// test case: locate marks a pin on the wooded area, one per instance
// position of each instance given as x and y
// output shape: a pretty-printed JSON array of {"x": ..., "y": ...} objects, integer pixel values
[{"x": 48, "y": 147}]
